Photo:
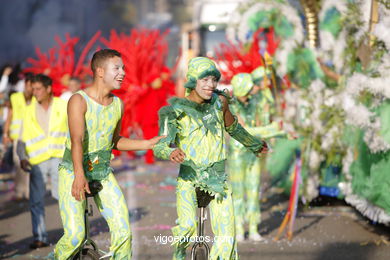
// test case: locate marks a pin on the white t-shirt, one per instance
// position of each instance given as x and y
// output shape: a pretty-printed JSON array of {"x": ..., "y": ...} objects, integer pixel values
[{"x": 66, "y": 95}]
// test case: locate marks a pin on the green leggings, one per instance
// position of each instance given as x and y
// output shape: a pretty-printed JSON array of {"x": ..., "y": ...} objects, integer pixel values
[
  {"x": 245, "y": 180},
  {"x": 222, "y": 223},
  {"x": 112, "y": 206}
]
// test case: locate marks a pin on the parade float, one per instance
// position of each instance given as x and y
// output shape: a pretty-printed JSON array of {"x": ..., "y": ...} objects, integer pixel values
[
  {"x": 337, "y": 101},
  {"x": 367, "y": 116}
]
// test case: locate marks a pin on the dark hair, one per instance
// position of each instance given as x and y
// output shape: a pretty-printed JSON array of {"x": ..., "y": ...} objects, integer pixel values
[
  {"x": 45, "y": 80},
  {"x": 14, "y": 77},
  {"x": 101, "y": 56},
  {"x": 28, "y": 76}
]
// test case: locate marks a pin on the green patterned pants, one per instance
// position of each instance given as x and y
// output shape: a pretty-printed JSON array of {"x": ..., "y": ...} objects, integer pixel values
[
  {"x": 112, "y": 206},
  {"x": 222, "y": 223},
  {"x": 245, "y": 180}
]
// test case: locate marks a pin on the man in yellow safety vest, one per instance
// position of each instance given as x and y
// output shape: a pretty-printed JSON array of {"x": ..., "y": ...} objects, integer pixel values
[
  {"x": 12, "y": 127},
  {"x": 40, "y": 147}
]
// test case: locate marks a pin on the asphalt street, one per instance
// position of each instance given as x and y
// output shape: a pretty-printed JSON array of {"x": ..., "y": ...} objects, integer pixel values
[{"x": 334, "y": 231}]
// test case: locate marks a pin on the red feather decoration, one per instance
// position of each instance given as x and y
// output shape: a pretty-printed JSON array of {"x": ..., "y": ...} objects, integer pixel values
[
  {"x": 242, "y": 58},
  {"x": 147, "y": 84},
  {"x": 59, "y": 62}
]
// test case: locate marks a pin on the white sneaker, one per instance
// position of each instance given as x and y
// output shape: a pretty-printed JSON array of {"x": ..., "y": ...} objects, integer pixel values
[
  {"x": 240, "y": 238},
  {"x": 256, "y": 237}
]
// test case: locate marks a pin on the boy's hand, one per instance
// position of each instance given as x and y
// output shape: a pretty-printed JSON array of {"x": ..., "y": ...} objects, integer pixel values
[
  {"x": 177, "y": 156},
  {"x": 25, "y": 165},
  {"x": 79, "y": 187},
  {"x": 6, "y": 140},
  {"x": 154, "y": 141},
  {"x": 7, "y": 71},
  {"x": 264, "y": 149}
]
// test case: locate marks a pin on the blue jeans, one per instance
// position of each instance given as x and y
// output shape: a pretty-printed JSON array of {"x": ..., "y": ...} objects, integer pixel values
[{"x": 38, "y": 180}]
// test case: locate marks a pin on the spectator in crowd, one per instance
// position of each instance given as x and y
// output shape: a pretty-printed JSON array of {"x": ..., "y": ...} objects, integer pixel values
[
  {"x": 41, "y": 145},
  {"x": 74, "y": 85},
  {"x": 16, "y": 111}
]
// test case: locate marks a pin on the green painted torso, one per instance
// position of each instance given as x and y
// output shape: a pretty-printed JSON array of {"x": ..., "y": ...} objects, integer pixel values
[
  {"x": 201, "y": 131},
  {"x": 100, "y": 124},
  {"x": 198, "y": 130}
]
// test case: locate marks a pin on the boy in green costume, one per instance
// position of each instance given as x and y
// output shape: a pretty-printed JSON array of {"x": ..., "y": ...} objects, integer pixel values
[
  {"x": 244, "y": 167},
  {"x": 196, "y": 125},
  {"x": 94, "y": 119}
]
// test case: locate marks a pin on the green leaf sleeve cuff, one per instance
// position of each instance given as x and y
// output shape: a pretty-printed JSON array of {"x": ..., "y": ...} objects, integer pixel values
[
  {"x": 236, "y": 131},
  {"x": 168, "y": 127}
]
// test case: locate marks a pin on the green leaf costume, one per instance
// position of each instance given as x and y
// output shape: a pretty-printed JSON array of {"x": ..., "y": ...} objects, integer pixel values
[
  {"x": 199, "y": 131},
  {"x": 100, "y": 124},
  {"x": 244, "y": 167}
]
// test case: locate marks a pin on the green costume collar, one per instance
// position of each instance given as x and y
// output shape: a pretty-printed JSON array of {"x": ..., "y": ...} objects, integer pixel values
[
  {"x": 184, "y": 102},
  {"x": 206, "y": 112}
]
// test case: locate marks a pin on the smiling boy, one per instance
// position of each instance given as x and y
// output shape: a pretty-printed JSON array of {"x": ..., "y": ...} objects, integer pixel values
[
  {"x": 196, "y": 126},
  {"x": 94, "y": 118}
]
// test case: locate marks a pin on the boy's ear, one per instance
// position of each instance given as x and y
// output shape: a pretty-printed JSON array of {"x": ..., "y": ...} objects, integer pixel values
[{"x": 99, "y": 72}]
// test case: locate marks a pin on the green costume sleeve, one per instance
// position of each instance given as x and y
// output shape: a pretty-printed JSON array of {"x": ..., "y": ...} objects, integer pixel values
[
  {"x": 268, "y": 131},
  {"x": 168, "y": 126},
  {"x": 236, "y": 131}
]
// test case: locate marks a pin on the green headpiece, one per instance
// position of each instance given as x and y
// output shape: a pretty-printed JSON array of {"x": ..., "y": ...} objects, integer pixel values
[
  {"x": 258, "y": 74},
  {"x": 199, "y": 68},
  {"x": 242, "y": 83}
]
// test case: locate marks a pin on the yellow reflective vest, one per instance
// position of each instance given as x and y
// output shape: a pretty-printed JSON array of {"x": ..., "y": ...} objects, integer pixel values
[
  {"x": 40, "y": 147},
  {"x": 18, "y": 103}
]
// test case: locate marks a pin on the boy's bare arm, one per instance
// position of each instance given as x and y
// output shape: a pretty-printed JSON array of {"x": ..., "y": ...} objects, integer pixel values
[
  {"x": 76, "y": 122},
  {"x": 228, "y": 116},
  {"x": 7, "y": 125},
  {"x": 127, "y": 144}
]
